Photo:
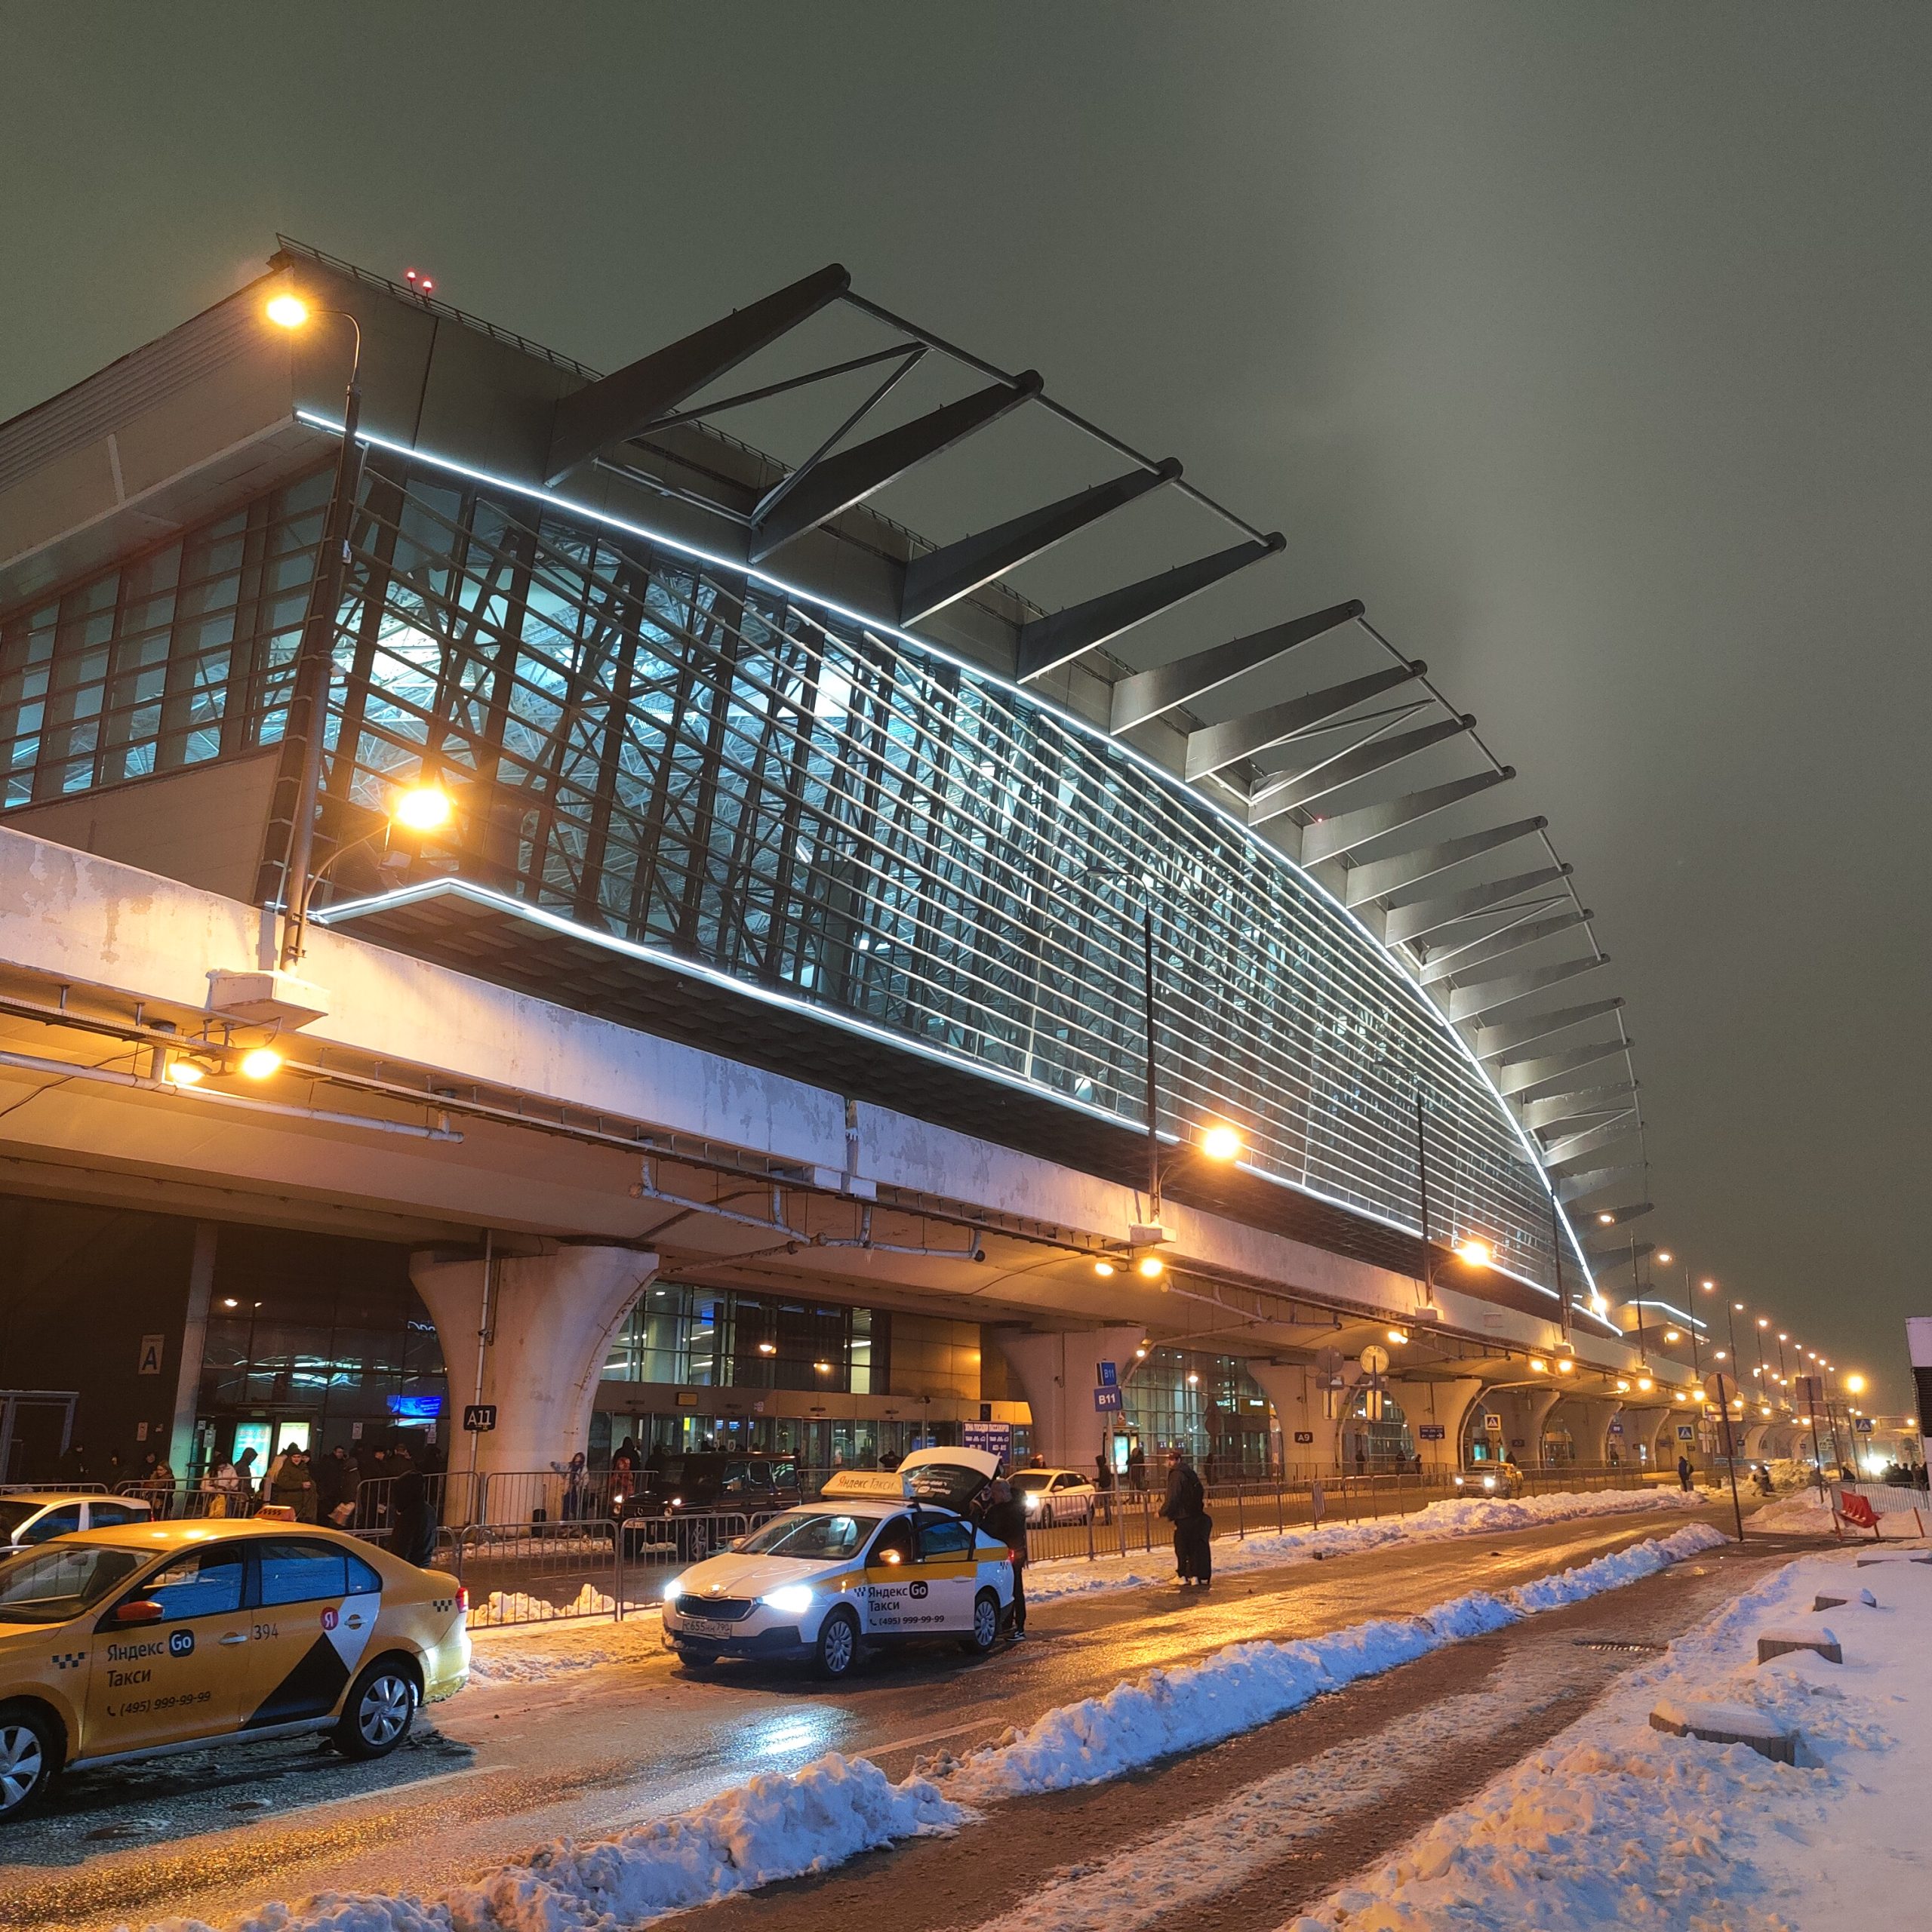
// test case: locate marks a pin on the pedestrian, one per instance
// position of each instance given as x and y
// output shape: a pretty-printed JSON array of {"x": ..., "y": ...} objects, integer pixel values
[
  {"x": 413, "y": 1531},
  {"x": 244, "y": 1483},
  {"x": 1684, "y": 1474},
  {"x": 294, "y": 1486},
  {"x": 222, "y": 1487},
  {"x": 1512, "y": 1473},
  {"x": 74, "y": 1464},
  {"x": 1187, "y": 1508},
  {"x": 574, "y": 1476},
  {"x": 1005, "y": 1517},
  {"x": 336, "y": 1477},
  {"x": 1137, "y": 1467}
]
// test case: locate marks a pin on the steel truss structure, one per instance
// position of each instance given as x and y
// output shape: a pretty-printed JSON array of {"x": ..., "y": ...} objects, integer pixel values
[{"x": 703, "y": 760}]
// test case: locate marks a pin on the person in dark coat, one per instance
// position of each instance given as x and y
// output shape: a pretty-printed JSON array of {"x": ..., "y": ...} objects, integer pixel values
[
  {"x": 1137, "y": 1468},
  {"x": 412, "y": 1522},
  {"x": 1005, "y": 1517},
  {"x": 1683, "y": 1472},
  {"x": 1187, "y": 1508}
]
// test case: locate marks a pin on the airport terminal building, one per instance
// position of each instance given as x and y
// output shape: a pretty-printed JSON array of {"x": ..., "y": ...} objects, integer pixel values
[{"x": 823, "y": 911}]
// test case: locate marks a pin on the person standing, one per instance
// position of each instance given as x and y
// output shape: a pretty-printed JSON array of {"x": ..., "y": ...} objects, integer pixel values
[
  {"x": 1186, "y": 1507},
  {"x": 244, "y": 1483},
  {"x": 1136, "y": 1468},
  {"x": 413, "y": 1524},
  {"x": 1005, "y": 1517},
  {"x": 1684, "y": 1473}
]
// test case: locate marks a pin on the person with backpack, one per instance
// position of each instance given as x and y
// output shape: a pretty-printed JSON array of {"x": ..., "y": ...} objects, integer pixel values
[{"x": 1187, "y": 1508}]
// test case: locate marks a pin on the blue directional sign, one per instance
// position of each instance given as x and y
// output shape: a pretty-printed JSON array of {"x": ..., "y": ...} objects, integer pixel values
[
  {"x": 1109, "y": 1374},
  {"x": 1105, "y": 1399}
]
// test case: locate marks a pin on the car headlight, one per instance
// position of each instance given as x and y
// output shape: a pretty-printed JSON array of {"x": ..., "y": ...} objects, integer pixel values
[
  {"x": 1489, "y": 1482},
  {"x": 673, "y": 1590},
  {"x": 795, "y": 1599},
  {"x": 1032, "y": 1502}
]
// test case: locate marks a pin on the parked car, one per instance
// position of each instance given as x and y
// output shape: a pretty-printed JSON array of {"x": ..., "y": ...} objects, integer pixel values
[
  {"x": 671, "y": 1500},
  {"x": 819, "y": 1583},
  {"x": 29, "y": 1516},
  {"x": 146, "y": 1639},
  {"x": 1056, "y": 1496}
]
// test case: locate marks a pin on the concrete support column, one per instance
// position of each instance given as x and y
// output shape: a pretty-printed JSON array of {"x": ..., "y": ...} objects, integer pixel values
[
  {"x": 194, "y": 1350},
  {"x": 1300, "y": 1410},
  {"x": 1058, "y": 1374},
  {"x": 1524, "y": 1412},
  {"x": 1439, "y": 1404},
  {"x": 542, "y": 1340},
  {"x": 1589, "y": 1417},
  {"x": 1640, "y": 1431},
  {"x": 1753, "y": 1450}
]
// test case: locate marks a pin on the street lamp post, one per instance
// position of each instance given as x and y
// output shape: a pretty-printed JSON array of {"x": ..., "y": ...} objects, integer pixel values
[{"x": 308, "y": 705}]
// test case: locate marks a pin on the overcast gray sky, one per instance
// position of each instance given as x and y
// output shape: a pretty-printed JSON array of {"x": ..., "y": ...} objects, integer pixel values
[{"x": 1587, "y": 343}]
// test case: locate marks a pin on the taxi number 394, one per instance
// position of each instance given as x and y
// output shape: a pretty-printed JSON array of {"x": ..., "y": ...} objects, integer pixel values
[{"x": 266, "y": 1630}]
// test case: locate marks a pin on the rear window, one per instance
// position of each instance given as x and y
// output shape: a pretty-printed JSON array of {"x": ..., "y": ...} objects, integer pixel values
[{"x": 301, "y": 1572}]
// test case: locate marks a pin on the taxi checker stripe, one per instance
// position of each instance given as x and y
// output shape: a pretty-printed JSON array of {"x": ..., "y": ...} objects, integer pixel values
[{"x": 69, "y": 1660}]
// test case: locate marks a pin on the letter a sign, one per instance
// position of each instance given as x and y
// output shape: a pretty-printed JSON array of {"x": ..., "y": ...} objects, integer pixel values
[{"x": 151, "y": 1346}]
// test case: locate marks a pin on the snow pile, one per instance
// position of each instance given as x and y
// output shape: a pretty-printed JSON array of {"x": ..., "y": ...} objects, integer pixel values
[
  {"x": 1453, "y": 1516},
  {"x": 1806, "y": 1510},
  {"x": 1248, "y": 1684},
  {"x": 773, "y": 1828},
  {"x": 515, "y": 1607},
  {"x": 1615, "y": 1823}
]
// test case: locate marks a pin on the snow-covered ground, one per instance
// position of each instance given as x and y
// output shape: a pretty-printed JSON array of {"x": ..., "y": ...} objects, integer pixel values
[
  {"x": 1455, "y": 1516},
  {"x": 1616, "y": 1823},
  {"x": 781, "y": 1826}
]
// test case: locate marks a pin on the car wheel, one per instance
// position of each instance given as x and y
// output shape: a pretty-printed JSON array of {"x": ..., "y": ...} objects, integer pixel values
[
  {"x": 692, "y": 1661},
  {"x": 837, "y": 1650},
  {"x": 378, "y": 1710},
  {"x": 29, "y": 1757},
  {"x": 986, "y": 1625}
]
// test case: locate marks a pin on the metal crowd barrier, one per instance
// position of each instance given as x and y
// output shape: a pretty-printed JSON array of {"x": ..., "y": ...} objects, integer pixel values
[{"x": 521, "y": 1572}]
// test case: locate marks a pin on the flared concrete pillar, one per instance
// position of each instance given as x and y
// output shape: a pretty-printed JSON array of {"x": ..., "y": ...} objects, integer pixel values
[
  {"x": 543, "y": 1340},
  {"x": 1443, "y": 1405},
  {"x": 1524, "y": 1412},
  {"x": 1300, "y": 1412},
  {"x": 1058, "y": 1374},
  {"x": 1589, "y": 1417}
]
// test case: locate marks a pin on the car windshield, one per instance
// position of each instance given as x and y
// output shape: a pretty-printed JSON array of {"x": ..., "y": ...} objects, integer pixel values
[
  {"x": 58, "y": 1581},
  {"x": 1028, "y": 1480},
  {"x": 13, "y": 1512},
  {"x": 810, "y": 1537}
]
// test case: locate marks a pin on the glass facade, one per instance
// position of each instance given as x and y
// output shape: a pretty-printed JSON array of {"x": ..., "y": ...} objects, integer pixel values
[
  {"x": 704, "y": 765},
  {"x": 318, "y": 1340},
  {"x": 184, "y": 654},
  {"x": 1209, "y": 1404},
  {"x": 711, "y": 1338}
]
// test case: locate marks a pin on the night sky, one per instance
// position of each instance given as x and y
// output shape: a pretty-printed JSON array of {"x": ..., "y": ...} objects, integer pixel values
[{"x": 1588, "y": 344}]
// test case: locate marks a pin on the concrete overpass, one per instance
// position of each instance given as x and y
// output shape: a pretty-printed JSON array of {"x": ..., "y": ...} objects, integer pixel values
[{"x": 545, "y": 1163}]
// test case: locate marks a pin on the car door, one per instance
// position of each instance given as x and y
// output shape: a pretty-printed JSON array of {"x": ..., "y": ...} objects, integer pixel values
[
  {"x": 313, "y": 1608},
  {"x": 890, "y": 1564},
  {"x": 155, "y": 1680},
  {"x": 946, "y": 1573}
]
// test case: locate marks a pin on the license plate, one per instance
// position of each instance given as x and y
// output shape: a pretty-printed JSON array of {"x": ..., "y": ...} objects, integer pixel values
[{"x": 703, "y": 1626}]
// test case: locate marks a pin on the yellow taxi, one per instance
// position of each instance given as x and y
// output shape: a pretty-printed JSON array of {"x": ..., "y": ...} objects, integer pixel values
[{"x": 145, "y": 1639}]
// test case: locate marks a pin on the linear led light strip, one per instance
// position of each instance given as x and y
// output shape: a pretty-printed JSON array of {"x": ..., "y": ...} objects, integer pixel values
[{"x": 570, "y": 506}]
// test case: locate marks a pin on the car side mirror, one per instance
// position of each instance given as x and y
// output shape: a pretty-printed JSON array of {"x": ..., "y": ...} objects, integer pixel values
[
  {"x": 141, "y": 1610},
  {"x": 736, "y": 1542}
]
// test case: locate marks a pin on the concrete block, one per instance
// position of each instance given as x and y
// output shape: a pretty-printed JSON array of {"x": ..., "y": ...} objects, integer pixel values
[
  {"x": 1781, "y": 1643},
  {"x": 1726, "y": 1723}
]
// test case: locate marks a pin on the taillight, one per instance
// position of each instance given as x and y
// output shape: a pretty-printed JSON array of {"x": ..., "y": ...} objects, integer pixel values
[{"x": 463, "y": 1599}]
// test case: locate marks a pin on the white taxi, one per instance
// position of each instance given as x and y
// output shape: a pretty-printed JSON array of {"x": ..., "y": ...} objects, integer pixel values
[{"x": 883, "y": 1556}]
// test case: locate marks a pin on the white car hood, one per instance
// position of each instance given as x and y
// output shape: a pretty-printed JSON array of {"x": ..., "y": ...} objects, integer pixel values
[{"x": 734, "y": 1574}]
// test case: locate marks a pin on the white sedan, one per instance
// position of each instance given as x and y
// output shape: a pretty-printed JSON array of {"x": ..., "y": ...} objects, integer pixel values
[
  {"x": 820, "y": 1582},
  {"x": 1056, "y": 1496}
]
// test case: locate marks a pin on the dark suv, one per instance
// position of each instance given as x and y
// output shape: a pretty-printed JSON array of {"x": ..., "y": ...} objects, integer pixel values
[{"x": 698, "y": 1486}]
